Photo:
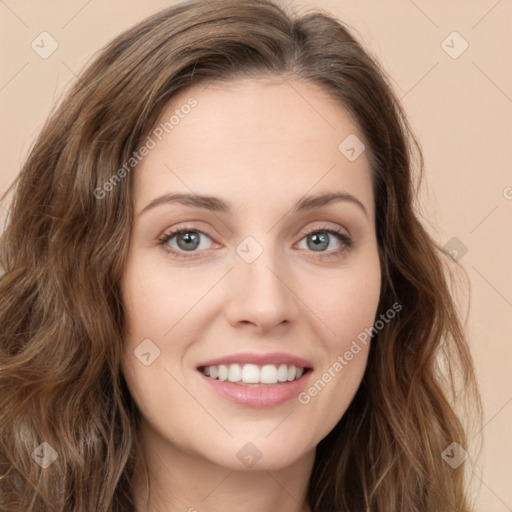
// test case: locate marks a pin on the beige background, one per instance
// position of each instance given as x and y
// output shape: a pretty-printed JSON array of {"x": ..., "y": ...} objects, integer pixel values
[{"x": 461, "y": 109}]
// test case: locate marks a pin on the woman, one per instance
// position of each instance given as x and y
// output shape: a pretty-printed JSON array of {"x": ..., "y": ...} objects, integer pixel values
[{"x": 217, "y": 293}]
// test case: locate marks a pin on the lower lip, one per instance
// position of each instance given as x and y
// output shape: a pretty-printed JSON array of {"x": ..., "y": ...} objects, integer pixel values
[{"x": 258, "y": 396}]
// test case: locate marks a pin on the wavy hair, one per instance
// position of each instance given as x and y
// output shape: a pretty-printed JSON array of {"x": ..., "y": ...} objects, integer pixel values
[{"x": 63, "y": 251}]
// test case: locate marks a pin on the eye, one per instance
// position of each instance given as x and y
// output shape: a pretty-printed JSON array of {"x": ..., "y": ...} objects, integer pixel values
[
  {"x": 188, "y": 239},
  {"x": 191, "y": 240},
  {"x": 321, "y": 241}
]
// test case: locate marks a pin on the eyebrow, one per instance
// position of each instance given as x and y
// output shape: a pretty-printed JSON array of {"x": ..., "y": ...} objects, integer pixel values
[{"x": 216, "y": 204}]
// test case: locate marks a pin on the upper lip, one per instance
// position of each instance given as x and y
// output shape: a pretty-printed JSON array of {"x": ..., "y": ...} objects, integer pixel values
[{"x": 275, "y": 358}]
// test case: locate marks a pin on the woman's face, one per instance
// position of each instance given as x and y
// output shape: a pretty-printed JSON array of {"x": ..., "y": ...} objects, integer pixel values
[{"x": 256, "y": 282}]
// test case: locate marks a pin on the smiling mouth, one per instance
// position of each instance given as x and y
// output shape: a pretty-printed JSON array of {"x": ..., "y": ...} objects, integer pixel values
[{"x": 252, "y": 375}]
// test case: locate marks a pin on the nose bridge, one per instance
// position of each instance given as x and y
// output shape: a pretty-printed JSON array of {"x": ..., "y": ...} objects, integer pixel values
[{"x": 260, "y": 288}]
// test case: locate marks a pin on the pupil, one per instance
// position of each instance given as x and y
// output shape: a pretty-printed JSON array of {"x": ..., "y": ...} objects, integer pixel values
[
  {"x": 320, "y": 240},
  {"x": 191, "y": 241}
]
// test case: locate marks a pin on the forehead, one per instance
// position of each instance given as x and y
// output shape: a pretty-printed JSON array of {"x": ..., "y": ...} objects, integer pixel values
[{"x": 254, "y": 138}]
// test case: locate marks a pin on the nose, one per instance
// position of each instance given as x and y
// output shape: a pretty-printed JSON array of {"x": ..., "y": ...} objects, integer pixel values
[{"x": 262, "y": 294}]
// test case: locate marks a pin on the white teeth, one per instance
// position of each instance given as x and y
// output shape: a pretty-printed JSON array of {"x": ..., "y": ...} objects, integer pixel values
[
  {"x": 253, "y": 374},
  {"x": 291, "y": 372},
  {"x": 223, "y": 372},
  {"x": 234, "y": 373},
  {"x": 282, "y": 373},
  {"x": 268, "y": 374},
  {"x": 250, "y": 374}
]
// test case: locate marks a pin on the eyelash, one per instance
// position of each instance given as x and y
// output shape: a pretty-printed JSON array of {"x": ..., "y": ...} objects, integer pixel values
[{"x": 346, "y": 241}]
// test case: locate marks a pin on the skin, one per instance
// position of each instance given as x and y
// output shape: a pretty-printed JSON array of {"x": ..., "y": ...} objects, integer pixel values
[{"x": 260, "y": 144}]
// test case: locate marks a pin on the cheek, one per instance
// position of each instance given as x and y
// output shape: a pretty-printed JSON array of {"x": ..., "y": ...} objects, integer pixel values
[
  {"x": 347, "y": 303},
  {"x": 348, "y": 307},
  {"x": 156, "y": 297}
]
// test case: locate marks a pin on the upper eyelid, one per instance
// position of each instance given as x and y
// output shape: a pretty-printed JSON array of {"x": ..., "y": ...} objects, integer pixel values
[{"x": 304, "y": 231}]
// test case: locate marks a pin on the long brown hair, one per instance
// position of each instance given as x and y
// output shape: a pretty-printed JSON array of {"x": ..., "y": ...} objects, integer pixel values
[{"x": 64, "y": 249}]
